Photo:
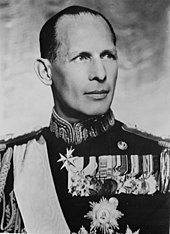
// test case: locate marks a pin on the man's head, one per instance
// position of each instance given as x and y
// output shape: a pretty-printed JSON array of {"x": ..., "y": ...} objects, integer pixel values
[
  {"x": 49, "y": 41},
  {"x": 79, "y": 60}
]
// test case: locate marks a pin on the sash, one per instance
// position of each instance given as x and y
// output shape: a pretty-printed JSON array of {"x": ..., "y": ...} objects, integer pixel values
[{"x": 35, "y": 191}]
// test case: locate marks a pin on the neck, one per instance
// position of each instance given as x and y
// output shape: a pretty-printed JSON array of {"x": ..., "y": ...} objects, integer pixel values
[{"x": 72, "y": 117}]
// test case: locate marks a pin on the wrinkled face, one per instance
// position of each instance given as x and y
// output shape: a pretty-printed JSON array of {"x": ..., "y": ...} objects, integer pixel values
[{"x": 85, "y": 71}]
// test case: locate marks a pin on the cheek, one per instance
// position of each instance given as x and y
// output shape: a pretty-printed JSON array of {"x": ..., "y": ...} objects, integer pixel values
[
  {"x": 66, "y": 86},
  {"x": 59, "y": 78},
  {"x": 77, "y": 78},
  {"x": 112, "y": 74},
  {"x": 70, "y": 79}
]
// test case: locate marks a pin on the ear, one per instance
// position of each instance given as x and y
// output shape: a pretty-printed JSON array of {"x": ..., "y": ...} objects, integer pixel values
[{"x": 42, "y": 68}]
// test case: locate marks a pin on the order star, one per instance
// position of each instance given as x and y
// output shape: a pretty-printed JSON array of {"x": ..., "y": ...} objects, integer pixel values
[{"x": 67, "y": 159}]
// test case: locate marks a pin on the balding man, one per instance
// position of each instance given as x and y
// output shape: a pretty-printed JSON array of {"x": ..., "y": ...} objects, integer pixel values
[{"x": 87, "y": 172}]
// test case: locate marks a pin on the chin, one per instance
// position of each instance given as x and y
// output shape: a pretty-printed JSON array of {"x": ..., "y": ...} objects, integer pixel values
[{"x": 98, "y": 111}]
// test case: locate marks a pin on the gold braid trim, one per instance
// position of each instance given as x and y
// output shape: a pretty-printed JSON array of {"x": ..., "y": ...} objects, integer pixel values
[
  {"x": 165, "y": 171},
  {"x": 6, "y": 162},
  {"x": 6, "y": 212},
  {"x": 11, "y": 218}
]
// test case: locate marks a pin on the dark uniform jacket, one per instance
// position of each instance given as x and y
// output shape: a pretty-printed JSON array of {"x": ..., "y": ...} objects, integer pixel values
[{"x": 107, "y": 177}]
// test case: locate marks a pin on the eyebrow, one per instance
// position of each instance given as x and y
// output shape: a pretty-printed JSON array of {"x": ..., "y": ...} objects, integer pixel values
[
  {"x": 112, "y": 51},
  {"x": 77, "y": 53}
]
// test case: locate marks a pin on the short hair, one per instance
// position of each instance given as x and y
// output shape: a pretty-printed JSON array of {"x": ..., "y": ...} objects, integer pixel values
[{"x": 47, "y": 38}]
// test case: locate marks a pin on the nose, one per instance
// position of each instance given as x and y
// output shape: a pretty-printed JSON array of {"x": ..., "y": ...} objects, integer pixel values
[{"x": 97, "y": 71}]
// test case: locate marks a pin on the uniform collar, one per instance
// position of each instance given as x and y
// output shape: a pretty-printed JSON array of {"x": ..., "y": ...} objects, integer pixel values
[{"x": 81, "y": 131}]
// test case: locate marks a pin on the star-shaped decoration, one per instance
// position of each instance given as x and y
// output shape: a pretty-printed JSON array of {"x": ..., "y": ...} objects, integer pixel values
[
  {"x": 67, "y": 159},
  {"x": 104, "y": 215},
  {"x": 129, "y": 231}
]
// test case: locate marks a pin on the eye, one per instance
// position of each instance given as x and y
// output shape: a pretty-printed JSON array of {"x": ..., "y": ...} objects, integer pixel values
[
  {"x": 109, "y": 55},
  {"x": 82, "y": 57}
]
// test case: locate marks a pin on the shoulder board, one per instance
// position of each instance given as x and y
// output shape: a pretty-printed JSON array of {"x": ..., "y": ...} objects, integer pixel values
[
  {"x": 10, "y": 140},
  {"x": 165, "y": 142}
]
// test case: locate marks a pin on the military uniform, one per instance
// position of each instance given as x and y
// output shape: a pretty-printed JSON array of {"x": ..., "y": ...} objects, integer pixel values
[{"x": 107, "y": 178}]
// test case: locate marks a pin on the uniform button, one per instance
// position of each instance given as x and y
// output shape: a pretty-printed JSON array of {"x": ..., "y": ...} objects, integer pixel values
[{"x": 122, "y": 145}]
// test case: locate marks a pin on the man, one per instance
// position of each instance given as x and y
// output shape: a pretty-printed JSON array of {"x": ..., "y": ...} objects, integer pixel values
[{"x": 87, "y": 172}]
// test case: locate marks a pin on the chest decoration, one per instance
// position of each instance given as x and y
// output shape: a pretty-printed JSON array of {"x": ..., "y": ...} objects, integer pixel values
[
  {"x": 104, "y": 215},
  {"x": 67, "y": 159},
  {"x": 122, "y": 145},
  {"x": 111, "y": 174},
  {"x": 110, "y": 231}
]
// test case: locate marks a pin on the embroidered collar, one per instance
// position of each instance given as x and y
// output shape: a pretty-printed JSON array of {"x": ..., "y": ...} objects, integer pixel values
[{"x": 80, "y": 131}]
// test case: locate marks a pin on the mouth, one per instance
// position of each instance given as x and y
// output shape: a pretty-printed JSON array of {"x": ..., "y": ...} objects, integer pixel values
[{"x": 97, "y": 94}]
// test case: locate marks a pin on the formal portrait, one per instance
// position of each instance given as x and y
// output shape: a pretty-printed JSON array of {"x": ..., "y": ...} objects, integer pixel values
[{"x": 85, "y": 117}]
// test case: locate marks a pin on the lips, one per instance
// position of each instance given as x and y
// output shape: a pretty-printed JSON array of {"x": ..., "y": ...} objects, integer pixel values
[{"x": 97, "y": 94}]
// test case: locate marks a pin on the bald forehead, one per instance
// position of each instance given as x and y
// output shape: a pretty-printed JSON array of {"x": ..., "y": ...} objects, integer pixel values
[{"x": 68, "y": 22}]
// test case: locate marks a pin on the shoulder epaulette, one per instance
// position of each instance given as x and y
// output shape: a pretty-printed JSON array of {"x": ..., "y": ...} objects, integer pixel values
[
  {"x": 165, "y": 142},
  {"x": 10, "y": 140}
]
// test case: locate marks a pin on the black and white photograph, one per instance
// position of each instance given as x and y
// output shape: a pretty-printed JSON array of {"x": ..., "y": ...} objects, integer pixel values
[{"x": 85, "y": 116}]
